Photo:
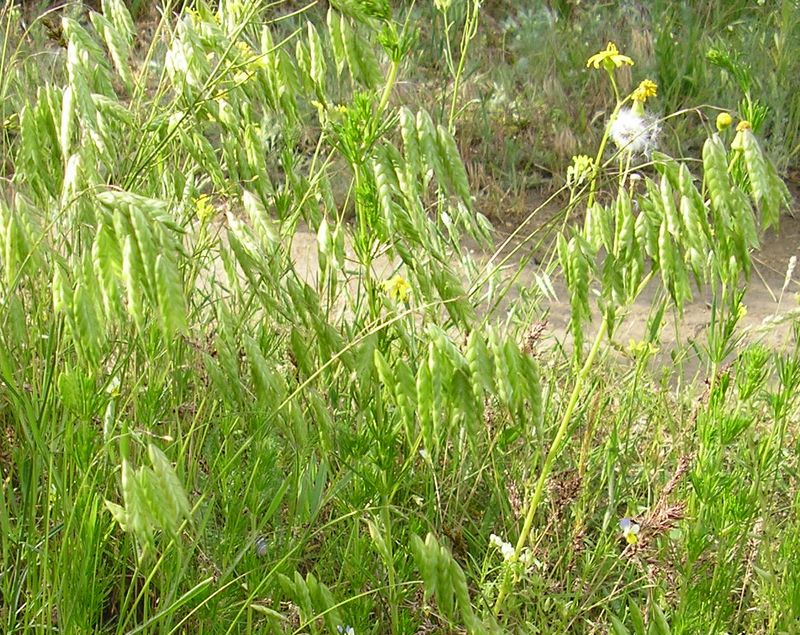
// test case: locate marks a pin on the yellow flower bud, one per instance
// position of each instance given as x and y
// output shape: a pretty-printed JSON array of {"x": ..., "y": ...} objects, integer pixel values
[
  {"x": 724, "y": 121},
  {"x": 742, "y": 129}
]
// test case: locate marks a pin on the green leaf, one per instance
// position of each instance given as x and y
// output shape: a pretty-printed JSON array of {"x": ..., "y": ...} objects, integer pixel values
[
  {"x": 659, "y": 619},
  {"x": 617, "y": 625}
]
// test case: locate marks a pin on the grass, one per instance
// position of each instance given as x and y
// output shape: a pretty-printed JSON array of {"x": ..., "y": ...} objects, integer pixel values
[{"x": 201, "y": 432}]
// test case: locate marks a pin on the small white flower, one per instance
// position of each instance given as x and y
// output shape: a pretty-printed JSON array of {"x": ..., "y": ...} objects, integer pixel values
[
  {"x": 506, "y": 548},
  {"x": 634, "y": 132}
]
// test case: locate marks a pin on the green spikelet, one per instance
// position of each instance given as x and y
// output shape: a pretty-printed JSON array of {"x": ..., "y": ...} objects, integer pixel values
[
  {"x": 426, "y": 133},
  {"x": 715, "y": 168},
  {"x": 767, "y": 189},
  {"x": 170, "y": 294},
  {"x": 450, "y": 158},
  {"x": 425, "y": 404},
  {"x": 87, "y": 323},
  {"x": 411, "y": 145},
  {"x": 480, "y": 365},
  {"x": 334, "y": 21},
  {"x": 133, "y": 279}
]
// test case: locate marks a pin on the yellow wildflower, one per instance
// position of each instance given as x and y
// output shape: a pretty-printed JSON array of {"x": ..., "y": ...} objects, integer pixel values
[
  {"x": 244, "y": 49},
  {"x": 610, "y": 58},
  {"x": 644, "y": 91},
  {"x": 743, "y": 125},
  {"x": 251, "y": 59},
  {"x": 642, "y": 348},
  {"x": 203, "y": 208},
  {"x": 724, "y": 121},
  {"x": 397, "y": 288}
]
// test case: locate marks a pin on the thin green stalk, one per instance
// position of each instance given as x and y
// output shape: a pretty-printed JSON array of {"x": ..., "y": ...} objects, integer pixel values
[
  {"x": 470, "y": 28},
  {"x": 552, "y": 454},
  {"x": 387, "y": 89},
  {"x": 391, "y": 575}
]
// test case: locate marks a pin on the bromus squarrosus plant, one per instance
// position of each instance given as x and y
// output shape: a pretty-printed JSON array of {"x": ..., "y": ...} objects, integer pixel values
[{"x": 254, "y": 371}]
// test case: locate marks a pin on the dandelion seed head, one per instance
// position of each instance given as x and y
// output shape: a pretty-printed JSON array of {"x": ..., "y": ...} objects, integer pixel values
[{"x": 634, "y": 132}]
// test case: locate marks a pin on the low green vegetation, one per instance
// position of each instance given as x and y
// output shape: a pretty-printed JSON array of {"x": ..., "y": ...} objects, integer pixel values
[{"x": 264, "y": 368}]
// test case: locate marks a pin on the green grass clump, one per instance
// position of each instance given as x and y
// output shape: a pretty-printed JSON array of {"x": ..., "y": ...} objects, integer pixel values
[{"x": 252, "y": 379}]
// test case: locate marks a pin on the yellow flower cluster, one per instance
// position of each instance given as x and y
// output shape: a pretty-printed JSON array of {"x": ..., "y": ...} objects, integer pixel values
[
  {"x": 251, "y": 59},
  {"x": 644, "y": 91},
  {"x": 204, "y": 208},
  {"x": 397, "y": 288}
]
